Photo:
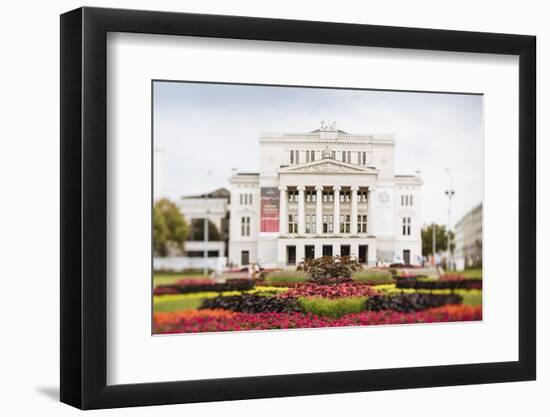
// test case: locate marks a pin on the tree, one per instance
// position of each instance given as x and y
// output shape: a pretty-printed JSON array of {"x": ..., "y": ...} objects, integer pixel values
[
  {"x": 160, "y": 232},
  {"x": 169, "y": 226},
  {"x": 197, "y": 231},
  {"x": 440, "y": 239}
]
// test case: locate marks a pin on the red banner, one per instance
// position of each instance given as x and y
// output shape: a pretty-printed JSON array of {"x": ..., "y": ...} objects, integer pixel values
[{"x": 269, "y": 209}]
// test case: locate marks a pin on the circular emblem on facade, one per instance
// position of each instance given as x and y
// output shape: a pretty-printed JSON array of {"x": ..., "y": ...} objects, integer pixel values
[{"x": 384, "y": 197}]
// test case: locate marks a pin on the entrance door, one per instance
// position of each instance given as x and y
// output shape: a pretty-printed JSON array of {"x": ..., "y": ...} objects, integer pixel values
[
  {"x": 363, "y": 251},
  {"x": 309, "y": 251},
  {"x": 345, "y": 250},
  {"x": 245, "y": 257},
  {"x": 407, "y": 256},
  {"x": 327, "y": 250},
  {"x": 291, "y": 255}
]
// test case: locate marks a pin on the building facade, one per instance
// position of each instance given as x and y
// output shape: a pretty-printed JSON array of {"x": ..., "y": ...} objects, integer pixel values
[
  {"x": 469, "y": 239},
  {"x": 326, "y": 192},
  {"x": 213, "y": 208}
]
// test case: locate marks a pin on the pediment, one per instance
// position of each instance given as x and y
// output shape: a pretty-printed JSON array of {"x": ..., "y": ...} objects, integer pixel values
[{"x": 329, "y": 166}]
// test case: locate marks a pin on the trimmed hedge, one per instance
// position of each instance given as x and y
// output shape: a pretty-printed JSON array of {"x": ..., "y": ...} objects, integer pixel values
[
  {"x": 286, "y": 277},
  {"x": 252, "y": 303},
  {"x": 373, "y": 277},
  {"x": 332, "y": 308},
  {"x": 187, "y": 288},
  {"x": 406, "y": 303}
]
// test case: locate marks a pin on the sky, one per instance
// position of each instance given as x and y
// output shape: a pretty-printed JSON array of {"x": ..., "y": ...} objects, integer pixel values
[{"x": 204, "y": 131}]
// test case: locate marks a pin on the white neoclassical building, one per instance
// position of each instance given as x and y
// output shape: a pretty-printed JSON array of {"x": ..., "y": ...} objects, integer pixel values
[{"x": 326, "y": 192}]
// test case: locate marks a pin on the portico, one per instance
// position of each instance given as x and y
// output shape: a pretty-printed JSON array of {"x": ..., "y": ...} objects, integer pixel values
[{"x": 326, "y": 197}]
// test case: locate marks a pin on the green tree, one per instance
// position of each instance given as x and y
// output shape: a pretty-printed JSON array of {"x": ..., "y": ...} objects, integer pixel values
[
  {"x": 169, "y": 226},
  {"x": 440, "y": 239},
  {"x": 197, "y": 231},
  {"x": 160, "y": 232}
]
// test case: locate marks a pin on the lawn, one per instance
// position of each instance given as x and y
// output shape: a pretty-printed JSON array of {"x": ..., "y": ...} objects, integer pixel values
[
  {"x": 472, "y": 273},
  {"x": 171, "y": 278}
]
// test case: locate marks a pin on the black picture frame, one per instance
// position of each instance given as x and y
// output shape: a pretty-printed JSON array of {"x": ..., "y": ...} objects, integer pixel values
[{"x": 84, "y": 207}]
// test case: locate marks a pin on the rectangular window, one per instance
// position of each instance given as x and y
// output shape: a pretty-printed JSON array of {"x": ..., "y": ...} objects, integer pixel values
[
  {"x": 245, "y": 226},
  {"x": 328, "y": 196},
  {"x": 345, "y": 226},
  {"x": 358, "y": 158},
  {"x": 345, "y": 196},
  {"x": 310, "y": 223},
  {"x": 297, "y": 156},
  {"x": 362, "y": 223},
  {"x": 364, "y": 158},
  {"x": 292, "y": 223},
  {"x": 343, "y": 156},
  {"x": 327, "y": 250},
  {"x": 333, "y": 154},
  {"x": 292, "y": 157},
  {"x": 291, "y": 255},
  {"x": 406, "y": 226},
  {"x": 292, "y": 196},
  {"x": 349, "y": 157},
  {"x": 312, "y": 156},
  {"x": 307, "y": 156},
  {"x": 309, "y": 251},
  {"x": 327, "y": 223},
  {"x": 345, "y": 250}
]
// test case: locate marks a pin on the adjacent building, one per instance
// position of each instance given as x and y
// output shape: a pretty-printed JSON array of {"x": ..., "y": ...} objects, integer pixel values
[
  {"x": 325, "y": 192},
  {"x": 469, "y": 239},
  {"x": 212, "y": 208}
]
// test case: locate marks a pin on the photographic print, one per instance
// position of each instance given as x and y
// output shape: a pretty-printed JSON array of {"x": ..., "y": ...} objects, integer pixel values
[{"x": 294, "y": 207}]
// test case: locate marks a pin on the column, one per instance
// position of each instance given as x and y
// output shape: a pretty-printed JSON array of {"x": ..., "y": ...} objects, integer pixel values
[
  {"x": 301, "y": 210},
  {"x": 319, "y": 209},
  {"x": 336, "y": 209},
  {"x": 283, "y": 211},
  {"x": 370, "y": 212},
  {"x": 354, "y": 190}
]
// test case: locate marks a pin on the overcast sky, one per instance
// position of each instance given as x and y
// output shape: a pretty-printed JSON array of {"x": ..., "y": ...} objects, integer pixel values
[{"x": 205, "y": 130}]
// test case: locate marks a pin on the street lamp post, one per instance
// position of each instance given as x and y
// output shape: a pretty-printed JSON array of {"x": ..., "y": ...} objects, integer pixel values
[
  {"x": 433, "y": 243},
  {"x": 449, "y": 193},
  {"x": 206, "y": 244}
]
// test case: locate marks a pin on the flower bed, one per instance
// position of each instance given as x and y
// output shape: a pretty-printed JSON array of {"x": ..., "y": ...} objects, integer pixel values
[
  {"x": 219, "y": 321},
  {"x": 252, "y": 303},
  {"x": 430, "y": 284},
  {"x": 191, "y": 286},
  {"x": 406, "y": 303},
  {"x": 330, "y": 291}
]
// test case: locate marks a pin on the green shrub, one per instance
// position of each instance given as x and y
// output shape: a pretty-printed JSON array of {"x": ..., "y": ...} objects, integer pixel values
[
  {"x": 286, "y": 277},
  {"x": 330, "y": 269},
  {"x": 373, "y": 276},
  {"x": 332, "y": 308}
]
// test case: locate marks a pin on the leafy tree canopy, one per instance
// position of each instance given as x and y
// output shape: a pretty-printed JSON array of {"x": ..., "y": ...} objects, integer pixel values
[
  {"x": 440, "y": 239},
  {"x": 168, "y": 226}
]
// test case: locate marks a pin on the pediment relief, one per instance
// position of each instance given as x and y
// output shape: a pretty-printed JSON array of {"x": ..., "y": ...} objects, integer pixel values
[{"x": 331, "y": 167}]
